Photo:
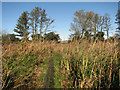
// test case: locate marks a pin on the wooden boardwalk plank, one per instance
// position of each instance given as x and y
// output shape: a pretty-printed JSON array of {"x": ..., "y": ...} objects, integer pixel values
[{"x": 49, "y": 82}]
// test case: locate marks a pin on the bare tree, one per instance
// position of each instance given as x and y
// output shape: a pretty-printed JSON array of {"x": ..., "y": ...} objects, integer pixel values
[{"x": 107, "y": 24}]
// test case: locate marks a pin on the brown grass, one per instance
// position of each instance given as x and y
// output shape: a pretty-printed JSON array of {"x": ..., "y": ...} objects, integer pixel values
[{"x": 86, "y": 57}]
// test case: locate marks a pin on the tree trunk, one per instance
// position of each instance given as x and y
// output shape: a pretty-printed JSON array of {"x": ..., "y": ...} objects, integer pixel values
[
  {"x": 107, "y": 34},
  {"x": 40, "y": 29}
]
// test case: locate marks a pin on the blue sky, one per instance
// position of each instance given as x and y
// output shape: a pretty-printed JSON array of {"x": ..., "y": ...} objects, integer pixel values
[
  {"x": 62, "y": 12},
  {"x": 60, "y": 0}
]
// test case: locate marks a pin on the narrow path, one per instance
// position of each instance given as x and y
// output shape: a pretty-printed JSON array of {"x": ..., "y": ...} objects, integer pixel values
[{"x": 49, "y": 82}]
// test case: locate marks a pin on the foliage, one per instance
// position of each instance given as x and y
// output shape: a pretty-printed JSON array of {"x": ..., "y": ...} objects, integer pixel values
[
  {"x": 87, "y": 35},
  {"x": 118, "y": 19},
  {"x": 22, "y": 26},
  {"x": 107, "y": 24},
  {"x": 51, "y": 36},
  {"x": 36, "y": 35},
  {"x": 89, "y": 24},
  {"x": 39, "y": 20},
  {"x": 36, "y": 21},
  {"x": 9, "y": 38},
  {"x": 115, "y": 37},
  {"x": 100, "y": 36}
]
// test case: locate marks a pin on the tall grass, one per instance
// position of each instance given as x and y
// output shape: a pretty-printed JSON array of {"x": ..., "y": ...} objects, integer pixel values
[
  {"x": 20, "y": 63},
  {"x": 83, "y": 64},
  {"x": 89, "y": 65}
]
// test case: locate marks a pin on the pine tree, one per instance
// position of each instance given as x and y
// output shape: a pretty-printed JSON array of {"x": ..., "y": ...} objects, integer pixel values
[{"x": 22, "y": 26}]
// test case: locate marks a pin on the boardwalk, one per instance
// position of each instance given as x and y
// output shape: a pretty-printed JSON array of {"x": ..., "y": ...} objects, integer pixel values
[{"x": 49, "y": 82}]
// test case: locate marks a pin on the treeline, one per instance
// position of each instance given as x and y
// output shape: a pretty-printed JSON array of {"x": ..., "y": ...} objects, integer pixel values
[
  {"x": 35, "y": 24},
  {"x": 90, "y": 25},
  {"x": 85, "y": 25},
  {"x": 118, "y": 20}
]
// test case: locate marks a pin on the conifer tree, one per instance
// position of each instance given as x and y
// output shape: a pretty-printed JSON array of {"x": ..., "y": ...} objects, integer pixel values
[{"x": 22, "y": 26}]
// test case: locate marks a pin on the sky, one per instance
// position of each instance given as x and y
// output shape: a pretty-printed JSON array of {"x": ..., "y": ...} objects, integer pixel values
[
  {"x": 60, "y": 0},
  {"x": 62, "y": 12}
]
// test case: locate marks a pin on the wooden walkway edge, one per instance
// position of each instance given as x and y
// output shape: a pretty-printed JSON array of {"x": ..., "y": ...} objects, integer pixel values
[{"x": 49, "y": 81}]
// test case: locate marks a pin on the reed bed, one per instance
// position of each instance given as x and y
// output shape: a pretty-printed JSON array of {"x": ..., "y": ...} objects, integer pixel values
[
  {"x": 21, "y": 61},
  {"x": 83, "y": 64},
  {"x": 90, "y": 65}
]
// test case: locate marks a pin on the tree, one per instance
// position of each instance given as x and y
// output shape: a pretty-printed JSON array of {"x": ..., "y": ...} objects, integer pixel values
[
  {"x": 34, "y": 20},
  {"x": 117, "y": 36},
  {"x": 88, "y": 24},
  {"x": 36, "y": 35},
  {"x": 107, "y": 24},
  {"x": 45, "y": 22},
  {"x": 39, "y": 20},
  {"x": 79, "y": 22},
  {"x": 102, "y": 19},
  {"x": 100, "y": 36},
  {"x": 48, "y": 23},
  {"x": 22, "y": 26},
  {"x": 87, "y": 35},
  {"x": 90, "y": 18},
  {"x": 85, "y": 21},
  {"x": 96, "y": 23},
  {"x": 51, "y": 36},
  {"x": 118, "y": 19},
  {"x": 43, "y": 19}
]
